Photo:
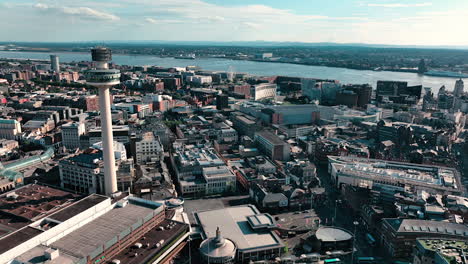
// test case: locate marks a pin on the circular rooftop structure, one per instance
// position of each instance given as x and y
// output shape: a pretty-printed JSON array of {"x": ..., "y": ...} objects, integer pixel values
[
  {"x": 99, "y": 77},
  {"x": 175, "y": 202},
  {"x": 333, "y": 234},
  {"x": 102, "y": 76},
  {"x": 218, "y": 249},
  {"x": 101, "y": 54}
]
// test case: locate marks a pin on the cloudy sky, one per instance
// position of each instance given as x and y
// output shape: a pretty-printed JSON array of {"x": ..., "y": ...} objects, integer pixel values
[{"x": 407, "y": 22}]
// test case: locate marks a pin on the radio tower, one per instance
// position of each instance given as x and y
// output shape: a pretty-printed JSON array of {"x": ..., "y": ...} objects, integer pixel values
[{"x": 104, "y": 78}]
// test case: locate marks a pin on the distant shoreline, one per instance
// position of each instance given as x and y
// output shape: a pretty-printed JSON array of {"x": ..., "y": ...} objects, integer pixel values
[{"x": 211, "y": 57}]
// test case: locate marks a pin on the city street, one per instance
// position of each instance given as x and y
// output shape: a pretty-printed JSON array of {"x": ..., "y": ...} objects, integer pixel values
[{"x": 344, "y": 219}]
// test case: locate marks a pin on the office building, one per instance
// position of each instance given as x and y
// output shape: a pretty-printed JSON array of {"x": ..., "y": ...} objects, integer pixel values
[
  {"x": 148, "y": 149},
  {"x": 360, "y": 95},
  {"x": 244, "y": 124},
  {"x": 120, "y": 134},
  {"x": 274, "y": 147},
  {"x": 329, "y": 91},
  {"x": 54, "y": 62},
  {"x": 84, "y": 172},
  {"x": 310, "y": 89},
  {"x": 219, "y": 179},
  {"x": 201, "y": 171},
  {"x": 120, "y": 153},
  {"x": 222, "y": 101},
  {"x": 65, "y": 228},
  {"x": 10, "y": 129},
  {"x": 397, "y": 92},
  {"x": 71, "y": 133},
  {"x": 199, "y": 79},
  {"x": 263, "y": 91},
  {"x": 245, "y": 227}
]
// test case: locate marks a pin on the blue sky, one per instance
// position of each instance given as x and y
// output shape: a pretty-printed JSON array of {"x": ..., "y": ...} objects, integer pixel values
[{"x": 405, "y": 22}]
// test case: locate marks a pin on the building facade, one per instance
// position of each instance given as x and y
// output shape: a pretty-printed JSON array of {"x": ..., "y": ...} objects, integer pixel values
[
  {"x": 71, "y": 133},
  {"x": 10, "y": 129}
]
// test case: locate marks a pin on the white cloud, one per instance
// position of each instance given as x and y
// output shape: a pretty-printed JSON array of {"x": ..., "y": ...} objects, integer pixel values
[
  {"x": 399, "y": 5},
  {"x": 251, "y": 25},
  {"x": 82, "y": 12},
  {"x": 166, "y": 19},
  {"x": 151, "y": 20}
]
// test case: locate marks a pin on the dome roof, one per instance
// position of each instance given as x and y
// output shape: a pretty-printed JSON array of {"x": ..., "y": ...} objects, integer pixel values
[
  {"x": 218, "y": 247},
  {"x": 297, "y": 192},
  {"x": 333, "y": 234}
]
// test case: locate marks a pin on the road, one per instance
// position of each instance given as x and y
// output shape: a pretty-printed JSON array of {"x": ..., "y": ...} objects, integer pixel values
[{"x": 344, "y": 219}]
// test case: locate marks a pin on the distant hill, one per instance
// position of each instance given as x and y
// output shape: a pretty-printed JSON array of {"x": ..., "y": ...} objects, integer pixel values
[{"x": 237, "y": 43}]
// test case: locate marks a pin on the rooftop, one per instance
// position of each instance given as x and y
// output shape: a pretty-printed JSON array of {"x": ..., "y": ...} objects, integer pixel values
[
  {"x": 78, "y": 207},
  {"x": 32, "y": 201},
  {"x": 451, "y": 250},
  {"x": 333, "y": 234},
  {"x": 233, "y": 221},
  {"x": 416, "y": 174},
  {"x": 145, "y": 254},
  {"x": 271, "y": 137},
  {"x": 85, "y": 240},
  {"x": 426, "y": 226}
]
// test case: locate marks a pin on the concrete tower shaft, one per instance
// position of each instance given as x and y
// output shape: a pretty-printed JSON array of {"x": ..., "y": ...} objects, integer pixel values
[{"x": 104, "y": 78}]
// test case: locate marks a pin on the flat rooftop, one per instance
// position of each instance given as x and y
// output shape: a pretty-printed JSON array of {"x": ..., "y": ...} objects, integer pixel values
[
  {"x": 417, "y": 174},
  {"x": 33, "y": 200},
  {"x": 22, "y": 206},
  {"x": 13, "y": 240},
  {"x": 78, "y": 207},
  {"x": 148, "y": 254},
  {"x": 427, "y": 226},
  {"x": 270, "y": 136},
  {"x": 86, "y": 239},
  {"x": 450, "y": 249},
  {"x": 233, "y": 223}
]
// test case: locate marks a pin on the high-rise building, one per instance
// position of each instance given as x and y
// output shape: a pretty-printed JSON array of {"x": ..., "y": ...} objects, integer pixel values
[
  {"x": 459, "y": 87},
  {"x": 309, "y": 89},
  {"x": 422, "y": 66},
  {"x": 222, "y": 101},
  {"x": 54, "y": 62},
  {"x": 398, "y": 92},
  {"x": 104, "y": 78},
  {"x": 389, "y": 88}
]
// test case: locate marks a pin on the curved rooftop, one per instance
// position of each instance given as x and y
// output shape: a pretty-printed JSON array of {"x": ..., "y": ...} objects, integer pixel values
[
  {"x": 218, "y": 247},
  {"x": 333, "y": 234}
]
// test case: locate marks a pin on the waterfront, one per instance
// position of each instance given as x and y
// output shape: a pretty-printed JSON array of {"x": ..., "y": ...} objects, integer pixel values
[{"x": 255, "y": 68}]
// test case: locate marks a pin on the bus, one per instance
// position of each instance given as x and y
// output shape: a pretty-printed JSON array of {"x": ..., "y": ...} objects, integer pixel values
[
  {"x": 366, "y": 260},
  {"x": 334, "y": 261},
  {"x": 370, "y": 240}
]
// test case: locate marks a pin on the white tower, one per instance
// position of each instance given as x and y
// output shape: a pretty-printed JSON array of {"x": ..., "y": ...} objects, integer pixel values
[
  {"x": 54, "y": 61},
  {"x": 459, "y": 86},
  {"x": 104, "y": 78}
]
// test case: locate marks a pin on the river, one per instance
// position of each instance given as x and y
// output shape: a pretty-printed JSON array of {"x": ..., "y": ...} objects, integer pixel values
[{"x": 255, "y": 68}]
